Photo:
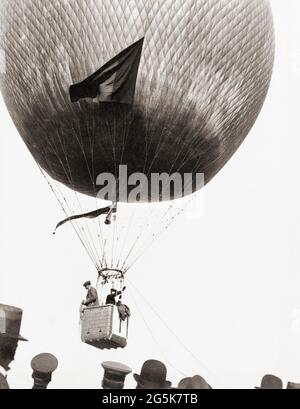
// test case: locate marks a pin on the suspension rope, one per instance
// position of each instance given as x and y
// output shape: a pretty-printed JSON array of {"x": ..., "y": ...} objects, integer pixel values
[
  {"x": 154, "y": 338},
  {"x": 174, "y": 334}
]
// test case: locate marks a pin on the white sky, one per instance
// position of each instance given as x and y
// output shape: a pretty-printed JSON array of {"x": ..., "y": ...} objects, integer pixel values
[{"x": 226, "y": 284}]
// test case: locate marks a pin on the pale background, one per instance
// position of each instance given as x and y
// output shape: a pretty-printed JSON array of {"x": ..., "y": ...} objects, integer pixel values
[{"x": 227, "y": 285}]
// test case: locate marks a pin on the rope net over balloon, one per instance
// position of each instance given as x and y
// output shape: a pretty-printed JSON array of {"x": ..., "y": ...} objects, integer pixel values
[{"x": 204, "y": 74}]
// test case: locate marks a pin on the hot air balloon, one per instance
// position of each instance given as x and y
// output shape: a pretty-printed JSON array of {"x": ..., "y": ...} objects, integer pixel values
[{"x": 202, "y": 78}]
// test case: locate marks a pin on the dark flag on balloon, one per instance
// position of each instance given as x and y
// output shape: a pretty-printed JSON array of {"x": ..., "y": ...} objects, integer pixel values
[{"x": 115, "y": 81}]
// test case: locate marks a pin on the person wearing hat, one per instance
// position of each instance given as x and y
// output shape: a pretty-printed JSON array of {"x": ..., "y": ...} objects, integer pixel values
[
  {"x": 123, "y": 310},
  {"x": 114, "y": 375},
  {"x": 91, "y": 297},
  {"x": 270, "y": 382},
  {"x": 10, "y": 324},
  {"x": 153, "y": 376},
  {"x": 43, "y": 366},
  {"x": 196, "y": 382},
  {"x": 111, "y": 298}
]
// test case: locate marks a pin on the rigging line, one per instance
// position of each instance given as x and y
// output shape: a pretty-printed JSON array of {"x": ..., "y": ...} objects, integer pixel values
[
  {"x": 137, "y": 240},
  {"x": 156, "y": 115},
  {"x": 148, "y": 224},
  {"x": 133, "y": 215},
  {"x": 111, "y": 136},
  {"x": 147, "y": 145},
  {"x": 97, "y": 223},
  {"x": 55, "y": 150},
  {"x": 144, "y": 228},
  {"x": 158, "y": 150},
  {"x": 184, "y": 145},
  {"x": 111, "y": 142},
  {"x": 189, "y": 147},
  {"x": 134, "y": 210},
  {"x": 113, "y": 241},
  {"x": 157, "y": 235},
  {"x": 63, "y": 196},
  {"x": 124, "y": 143},
  {"x": 129, "y": 225},
  {"x": 146, "y": 138},
  {"x": 66, "y": 213},
  {"x": 163, "y": 134},
  {"x": 139, "y": 235},
  {"x": 126, "y": 131},
  {"x": 72, "y": 182},
  {"x": 91, "y": 142},
  {"x": 86, "y": 246},
  {"x": 80, "y": 143},
  {"x": 147, "y": 102},
  {"x": 148, "y": 243},
  {"x": 190, "y": 184},
  {"x": 127, "y": 113},
  {"x": 91, "y": 242},
  {"x": 117, "y": 222},
  {"x": 77, "y": 230},
  {"x": 61, "y": 163},
  {"x": 119, "y": 228},
  {"x": 192, "y": 197},
  {"x": 154, "y": 338},
  {"x": 90, "y": 131},
  {"x": 173, "y": 333},
  {"x": 181, "y": 137},
  {"x": 114, "y": 222},
  {"x": 132, "y": 247},
  {"x": 99, "y": 232},
  {"x": 92, "y": 138}
]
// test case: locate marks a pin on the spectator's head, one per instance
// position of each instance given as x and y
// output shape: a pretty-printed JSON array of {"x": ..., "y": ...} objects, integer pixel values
[
  {"x": 292, "y": 385},
  {"x": 8, "y": 348},
  {"x": 87, "y": 285},
  {"x": 271, "y": 382},
  {"x": 114, "y": 375},
  {"x": 196, "y": 382},
  {"x": 43, "y": 366},
  {"x": 153, "y": 376},
  {"x": 10, "y": 324}
]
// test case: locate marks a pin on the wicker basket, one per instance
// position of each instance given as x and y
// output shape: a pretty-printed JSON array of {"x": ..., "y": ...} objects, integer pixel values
[{"x": 98, "y": 328}]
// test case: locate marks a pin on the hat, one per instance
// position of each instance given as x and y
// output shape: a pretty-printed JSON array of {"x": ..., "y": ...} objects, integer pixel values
[
  {"x": 43, "y": 366},
  {"x": 114, "y": 375},
  {"x": 87, "y": 283},
  {"x": 292, "y": 385},
  {"x": 153, "y": 376},
  {"x": 10, "y": 322},
  {"x": 44, "y": 363},
  {"x": 196, "y": 382},
  {"x": 271, "y": 382}
]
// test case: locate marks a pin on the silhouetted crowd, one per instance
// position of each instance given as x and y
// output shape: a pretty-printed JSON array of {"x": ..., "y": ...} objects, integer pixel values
[{"x": 153, "y": 374}]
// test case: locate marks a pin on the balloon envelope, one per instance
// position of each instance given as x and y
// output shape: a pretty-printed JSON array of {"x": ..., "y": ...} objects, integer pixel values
[{"x": 203, "y": 77}]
